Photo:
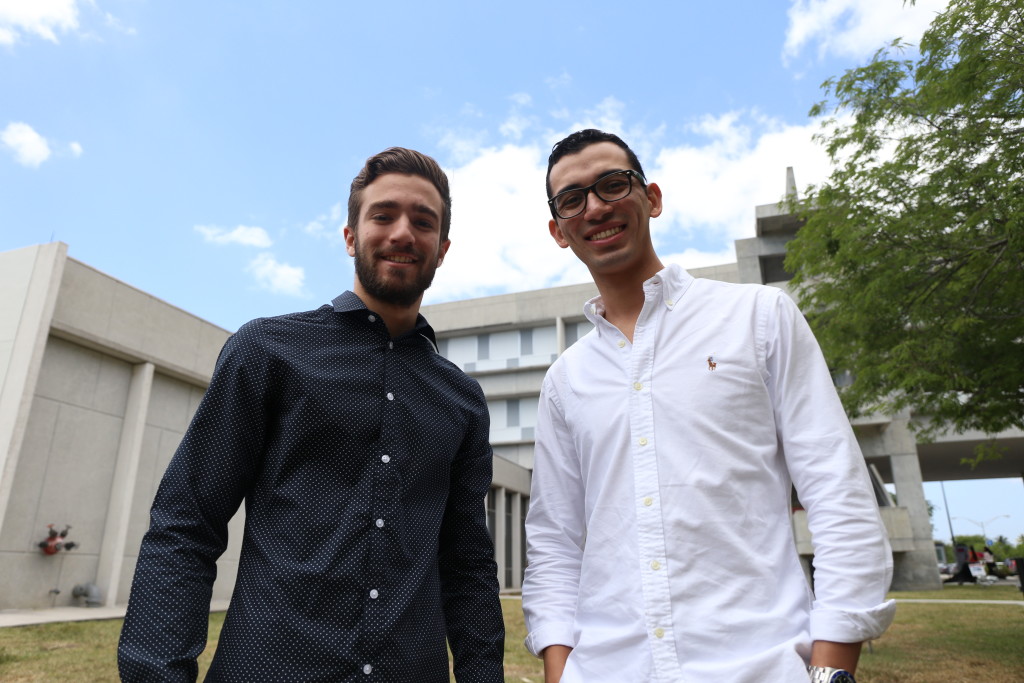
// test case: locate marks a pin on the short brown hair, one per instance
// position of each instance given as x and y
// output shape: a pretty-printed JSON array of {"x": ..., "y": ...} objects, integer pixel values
[{"x": 400, "y": 160}]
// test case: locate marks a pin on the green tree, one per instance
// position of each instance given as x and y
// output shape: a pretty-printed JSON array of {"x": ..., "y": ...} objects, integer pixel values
[{"x": 911, "y": 262}]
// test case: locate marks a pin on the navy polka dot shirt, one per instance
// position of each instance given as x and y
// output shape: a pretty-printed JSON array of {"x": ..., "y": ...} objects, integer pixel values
[{"x": 363, "y": 461}]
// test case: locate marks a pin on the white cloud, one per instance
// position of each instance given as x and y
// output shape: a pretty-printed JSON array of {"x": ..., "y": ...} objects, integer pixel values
[
  {"x": 562, "y": 80},
  {"x": 328, "y": 225},
  {"x": 517, "y": 123},
  {"x": 609, "y": 115},
  {"x": 280, "y": 278},
  {"x": 28, "y": 147},
  {"x": 116, "y": 24},
  {"x": 521, "y": 99},
  {"x": 500, "y": 239},
  {"x": 514, "y": 126},
  {"x": 462, "y": 146},
  {"x": 694, "y": 258},
  {"x": 76, "y": 149},
  {"x": 42, "y": 18},
  {"x": 855, "y": 28},
  {"x": 711, "y": 184},
  {"x": 711, "y": 189},
  {"x": 243, "y": 234}
]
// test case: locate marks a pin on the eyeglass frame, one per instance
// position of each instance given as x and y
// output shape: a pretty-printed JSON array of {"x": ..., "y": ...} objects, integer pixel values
[{"x": 628, "y": 172}]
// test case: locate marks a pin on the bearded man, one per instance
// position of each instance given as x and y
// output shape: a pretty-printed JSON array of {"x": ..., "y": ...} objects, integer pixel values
[{"x": 363, "y": 460}]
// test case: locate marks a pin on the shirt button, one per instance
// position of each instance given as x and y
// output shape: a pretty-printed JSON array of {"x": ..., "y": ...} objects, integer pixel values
[
  {"x": 385, "y": 459},
  {"x": 659, "y": 633},
  {"x": 391, "y": 397},
  {"x": 655, "y": 565},
  {"x": 622, "y": 342},
  {"x": 643, "y": 441},
  {"x": 638, "y": 386},
  {"x": 367, "y": 669},
  {"x": 648, "y": 501},
  {"x": 391, "y": 345},
  {"x": 373, "y": 593},
  {"x": 380, "y": 523},
  {"x": 670, "y": 303},
  {"x": 373, "y": 319}
]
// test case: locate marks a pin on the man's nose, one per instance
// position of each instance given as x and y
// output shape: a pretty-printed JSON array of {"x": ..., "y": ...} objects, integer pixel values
[
  {"x": 402, "y": 230},
  {"x": 595, "y": 206}
]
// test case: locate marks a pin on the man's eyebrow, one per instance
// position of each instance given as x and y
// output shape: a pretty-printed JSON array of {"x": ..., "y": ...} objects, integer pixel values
[
  {"x": 392, "y": 204},
  {"x": 577, "y": 186}
]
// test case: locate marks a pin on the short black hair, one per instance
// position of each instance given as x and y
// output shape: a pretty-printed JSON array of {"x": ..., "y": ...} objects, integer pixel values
[{"x": 582, "y": 139}]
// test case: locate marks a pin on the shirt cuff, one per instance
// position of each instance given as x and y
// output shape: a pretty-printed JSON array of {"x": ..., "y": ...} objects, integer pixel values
[
  {"x": 549, "y": 634},
  {"x": 852, "y": 626}
]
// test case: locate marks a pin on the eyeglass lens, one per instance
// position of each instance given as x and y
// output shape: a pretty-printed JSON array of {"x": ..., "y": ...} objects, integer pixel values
[{"x": 611, "y": 188}]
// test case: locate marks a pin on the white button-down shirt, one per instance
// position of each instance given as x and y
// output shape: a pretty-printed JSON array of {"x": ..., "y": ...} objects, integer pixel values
[{"x": 660, "y": 544}]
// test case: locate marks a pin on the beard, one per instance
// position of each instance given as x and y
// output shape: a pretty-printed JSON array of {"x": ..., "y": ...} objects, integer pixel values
[{"x": 398, "y": 289}]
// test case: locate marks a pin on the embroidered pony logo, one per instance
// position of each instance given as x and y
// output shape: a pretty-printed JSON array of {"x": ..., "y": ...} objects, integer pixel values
[{"x": 711, "y": 363}]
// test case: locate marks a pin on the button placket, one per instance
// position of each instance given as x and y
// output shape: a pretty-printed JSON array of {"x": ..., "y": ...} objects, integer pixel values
[{"x": 640, "y": 368}]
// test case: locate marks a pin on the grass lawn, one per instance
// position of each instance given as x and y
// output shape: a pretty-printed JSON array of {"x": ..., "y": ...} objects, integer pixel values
[{"x": 928, "y": 643}]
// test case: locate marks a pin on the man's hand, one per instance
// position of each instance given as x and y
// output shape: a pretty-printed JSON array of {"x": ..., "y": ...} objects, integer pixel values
[
  {"x": 554, "y": 662},
  {"x": 828, "y": 653}
]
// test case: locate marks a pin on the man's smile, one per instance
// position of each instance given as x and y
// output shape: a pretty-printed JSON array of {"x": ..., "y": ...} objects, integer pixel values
[
  {"x": 397, "y": 258},
  {"x": 605, "y": 234}
]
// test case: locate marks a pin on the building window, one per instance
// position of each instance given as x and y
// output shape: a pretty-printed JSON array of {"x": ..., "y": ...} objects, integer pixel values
[
  {"x": 512, "y": 412},
  {"x": 576, "y": 331},
  {"x": 526, "y": 342},
  {"x": 773, "y": 269}
]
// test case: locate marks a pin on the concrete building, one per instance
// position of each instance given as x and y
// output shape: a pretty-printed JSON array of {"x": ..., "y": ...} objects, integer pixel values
[{"x": 98, "y": 382}]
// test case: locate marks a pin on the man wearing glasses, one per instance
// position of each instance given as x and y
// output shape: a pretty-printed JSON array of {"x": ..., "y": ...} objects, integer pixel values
[{"x": 668, "y": 442}]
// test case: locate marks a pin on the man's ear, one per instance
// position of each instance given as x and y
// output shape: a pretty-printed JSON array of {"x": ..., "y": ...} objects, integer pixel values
[
  {"x": 350, "y": 240},
  {"x": 557, "y": 234},
  {"x": 442, "y": 251},
  {"x": 654, "y": 197}
]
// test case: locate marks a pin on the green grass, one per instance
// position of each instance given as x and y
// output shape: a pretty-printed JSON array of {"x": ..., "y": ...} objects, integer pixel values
[
  {"x": 950, "y": 643},
  {"x": 928, "y": 643}
]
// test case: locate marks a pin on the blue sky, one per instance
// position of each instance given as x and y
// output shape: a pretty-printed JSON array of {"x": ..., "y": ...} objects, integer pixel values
[{"x": 202, "y": 151}]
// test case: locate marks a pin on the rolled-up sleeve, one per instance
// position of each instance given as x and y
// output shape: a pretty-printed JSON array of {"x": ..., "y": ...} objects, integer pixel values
[
  {"x": 852, "y": 558},
  {"x": 555, "y": 529}
]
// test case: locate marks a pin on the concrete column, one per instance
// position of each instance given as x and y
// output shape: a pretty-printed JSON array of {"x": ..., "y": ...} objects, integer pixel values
[
  {"x": 517, "y": 541},
  {"x": 560, "y": 334},
  {"x": 499, "y": 533},
  {"x": 30, "y": 280},
  {"x": 126, "y": 470},
  {"x": 914, "y": 569}
]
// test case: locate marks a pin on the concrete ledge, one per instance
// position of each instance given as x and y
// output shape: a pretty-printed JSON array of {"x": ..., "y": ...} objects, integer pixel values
[{"x": 29, "y": 617}]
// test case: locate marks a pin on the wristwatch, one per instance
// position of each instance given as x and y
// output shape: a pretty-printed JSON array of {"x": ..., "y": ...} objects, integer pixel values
[{"x": 827, "y": 674}]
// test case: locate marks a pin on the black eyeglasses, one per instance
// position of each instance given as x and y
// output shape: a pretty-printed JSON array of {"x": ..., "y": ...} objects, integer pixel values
[{"x": 609, "y": 188}]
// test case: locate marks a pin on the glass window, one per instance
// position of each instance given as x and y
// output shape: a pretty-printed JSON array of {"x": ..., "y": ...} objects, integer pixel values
[
  {"x": 526, "y": 342},
  {"x": 483, "y": 347},
  {"x": 512, "y": 413},
  {"x": 461, "y": 350}
]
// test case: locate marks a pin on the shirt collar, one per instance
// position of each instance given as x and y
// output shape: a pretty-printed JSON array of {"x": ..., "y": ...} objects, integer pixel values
[
  {"x": 349, "y": 302},
  {"x": 669, "y": 285}
]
